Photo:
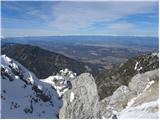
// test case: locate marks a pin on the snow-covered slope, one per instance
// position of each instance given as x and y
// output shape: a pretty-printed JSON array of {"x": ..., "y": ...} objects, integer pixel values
[
  {"x": 23, "y": 95},
  {"x": 61, "y": 81},
  {"x": 147, "y": 110}
]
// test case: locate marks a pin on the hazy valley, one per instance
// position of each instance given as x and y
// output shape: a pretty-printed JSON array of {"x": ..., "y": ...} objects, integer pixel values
[{"x": 101, "y": 52}]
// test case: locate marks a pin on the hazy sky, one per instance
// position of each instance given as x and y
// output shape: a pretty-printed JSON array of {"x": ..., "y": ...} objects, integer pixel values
[{"x": 79, "y": 18}]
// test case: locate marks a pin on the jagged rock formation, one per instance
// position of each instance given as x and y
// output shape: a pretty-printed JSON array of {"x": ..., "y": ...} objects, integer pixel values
[
  {"x": 108, "y": 81},
  {"x": 82, "y": 100},
  {"x": 61, "y": 81},
  {"x": 144, "y": 104},
  {"x": 142, "y": 89}
]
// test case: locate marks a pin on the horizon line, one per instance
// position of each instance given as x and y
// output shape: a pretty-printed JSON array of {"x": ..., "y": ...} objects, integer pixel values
[{"x": 3, "y": 37}]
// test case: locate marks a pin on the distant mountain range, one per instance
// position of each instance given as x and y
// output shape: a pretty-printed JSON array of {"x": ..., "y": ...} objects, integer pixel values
[
  {"x": 42, "y": 62},
  {"x": 131, "y": 41}
]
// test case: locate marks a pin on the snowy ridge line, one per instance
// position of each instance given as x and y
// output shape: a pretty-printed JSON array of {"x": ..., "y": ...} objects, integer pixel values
[{"x": 23, "y": 95}]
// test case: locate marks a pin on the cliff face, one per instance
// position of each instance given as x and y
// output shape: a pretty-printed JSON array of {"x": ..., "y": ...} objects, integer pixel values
[
  {"x": 124, "y": 102},
  {"x": 144, "y": 104},
  {"x": 82, "y": 101}
]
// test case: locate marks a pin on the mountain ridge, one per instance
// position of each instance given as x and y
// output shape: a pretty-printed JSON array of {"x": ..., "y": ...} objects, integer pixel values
[
  {"x": 23, "y": 95},
  {"x": 42, "y": 62},
  {"x": 108, "y": 81}
]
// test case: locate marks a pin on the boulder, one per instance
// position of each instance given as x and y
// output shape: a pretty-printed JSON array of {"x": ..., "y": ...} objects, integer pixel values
[{"x": 82, "y": 100}]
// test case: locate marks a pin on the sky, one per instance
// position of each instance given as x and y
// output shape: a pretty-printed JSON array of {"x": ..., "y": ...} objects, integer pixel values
[{"x": 53, "y": 18}]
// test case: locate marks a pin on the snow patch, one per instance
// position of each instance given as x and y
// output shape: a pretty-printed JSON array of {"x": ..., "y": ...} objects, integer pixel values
[
  {"x": 136, "y": 65},
  {"x": 31, "y": 78},
  {"x": 155, "y": 54},
  {"x": 141, "y": 111},
  {"x": 139, "y": 69},
  {"x": 130, "y": 103},
  {"x": 149, "y": 84},
  {"x": 40, "y": 87},
  {"x": 16, "y": 77},
  {"x": 71, "y": 96},
  {"x": 7, "y": 59},
  {"x": 62, "y": 81},
  {"x": 72, "y": 76},
  {"x": 103, "y": 117}
]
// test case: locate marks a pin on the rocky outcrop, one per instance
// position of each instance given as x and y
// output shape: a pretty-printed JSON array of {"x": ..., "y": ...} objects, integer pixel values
[
  {"x": 140, "y": 81},
  {"x": 115, "y": 103},
  {"x": 145, "y": 103},
  {"x": 82, "y": 100},
  {"x": 142, "y": 90}
]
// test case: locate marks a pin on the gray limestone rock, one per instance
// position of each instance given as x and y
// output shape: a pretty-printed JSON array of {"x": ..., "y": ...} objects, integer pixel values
[
  {"x": 139, "y": 82},
  {"x": 82, "y": 100}
]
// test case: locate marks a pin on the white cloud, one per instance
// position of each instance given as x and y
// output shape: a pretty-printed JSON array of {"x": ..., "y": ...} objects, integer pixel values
[
  {"x": 81, "y": 18},
  {"x": 131, "y": 29},
  {"x": 79, "y": 15},
  {"x": 38, "y": 14},
  {"x": 15, "y": 32}
]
